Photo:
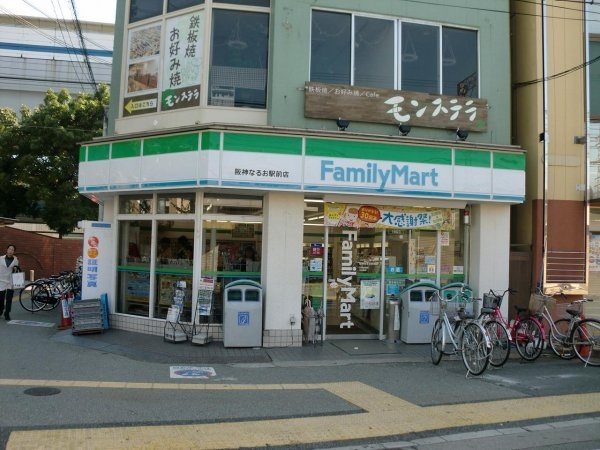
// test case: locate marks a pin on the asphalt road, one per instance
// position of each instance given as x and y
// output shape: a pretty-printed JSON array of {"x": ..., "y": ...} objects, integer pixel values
[{"x": 58, "y": 395}]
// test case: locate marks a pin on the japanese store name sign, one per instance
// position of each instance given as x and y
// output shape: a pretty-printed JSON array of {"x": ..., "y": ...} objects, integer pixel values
[
  {"x": 182, "y": 64},
  {"x": 370, "y": 216},
  {"x": 330, "y": 101}
]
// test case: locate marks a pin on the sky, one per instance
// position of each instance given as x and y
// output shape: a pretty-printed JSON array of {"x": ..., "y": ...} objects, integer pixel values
[{"x": 87, "y": 10}]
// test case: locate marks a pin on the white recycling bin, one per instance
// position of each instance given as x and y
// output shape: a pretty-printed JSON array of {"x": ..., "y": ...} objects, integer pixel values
[
  {"x": 243, "y": 314},
  {"x": 417, "y": 321}
]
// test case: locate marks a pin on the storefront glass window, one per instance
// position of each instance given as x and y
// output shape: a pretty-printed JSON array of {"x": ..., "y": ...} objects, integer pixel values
[
  {"x": 180, "y": 204},
  {"x": 232, "y": 243},
  {"x": 314, "y": 264},
  {"x": 373, "y": 254},
  {"x": 133, "y": 267},
  {"x": 155, "y": 253},
  {"x": 136, "y": 204},
  {"x": 174, "y": 261}
]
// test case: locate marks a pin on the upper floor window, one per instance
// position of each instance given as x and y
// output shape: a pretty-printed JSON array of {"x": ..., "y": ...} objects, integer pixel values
[
  {"x": 393, "y": 54},
  {"x": 594, "y": 79},
  {"x": 144, "y": 9},
  {"x": 239, "y": 57},
  {"x": 176, "y": 5},
  {"x": 166, "y": 60}
]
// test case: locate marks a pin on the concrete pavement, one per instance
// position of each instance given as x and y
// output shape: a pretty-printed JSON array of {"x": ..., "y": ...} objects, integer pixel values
[{"x": 309, "y": 396}]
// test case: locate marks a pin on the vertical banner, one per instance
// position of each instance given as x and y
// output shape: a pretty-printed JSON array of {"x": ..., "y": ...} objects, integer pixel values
[
  {"x": 183, "y": 61},
  {"x": 97, "y": 268}
]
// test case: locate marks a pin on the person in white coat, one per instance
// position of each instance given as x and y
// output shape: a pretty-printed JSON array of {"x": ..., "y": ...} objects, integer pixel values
[{"x": 8, "y": 263}]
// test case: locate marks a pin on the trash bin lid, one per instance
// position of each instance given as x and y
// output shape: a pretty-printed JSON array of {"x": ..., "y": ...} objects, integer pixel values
[
  {"x": 421, "y": 284},
  {"x": 243, "y": 283},
  {"x": 457, "y": 285}
]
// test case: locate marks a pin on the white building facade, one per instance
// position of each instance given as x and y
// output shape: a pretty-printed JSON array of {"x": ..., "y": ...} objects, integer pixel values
[{"x": 39, "y": 54}]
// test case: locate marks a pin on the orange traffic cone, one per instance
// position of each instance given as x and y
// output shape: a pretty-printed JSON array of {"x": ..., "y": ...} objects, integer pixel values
[{"x": 65, "y": 314}]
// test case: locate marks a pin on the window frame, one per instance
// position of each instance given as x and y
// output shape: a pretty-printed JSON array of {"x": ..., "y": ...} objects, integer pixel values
[
  {"x": 155, "y": 95},
  {"x": 398, "y": 72}
]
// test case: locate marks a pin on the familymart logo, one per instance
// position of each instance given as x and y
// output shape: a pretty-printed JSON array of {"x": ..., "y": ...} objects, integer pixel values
[{"x": 372, "y": 173}]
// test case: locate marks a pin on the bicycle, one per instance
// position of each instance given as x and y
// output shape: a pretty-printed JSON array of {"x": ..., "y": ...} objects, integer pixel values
[
  {"x": 572, "y": 336},
  {"x": 492, "y": 320},
  {"x": 524, "y": 331},
  {"x": 46, "y": 293},
  {"x": 461, "y": 335}
]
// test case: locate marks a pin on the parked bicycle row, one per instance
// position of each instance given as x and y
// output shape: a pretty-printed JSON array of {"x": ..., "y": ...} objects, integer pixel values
[
  {"x": 488, "y": 338},
  {"x": 46, "y": 293},
  {"x": 533, "y": 329}
]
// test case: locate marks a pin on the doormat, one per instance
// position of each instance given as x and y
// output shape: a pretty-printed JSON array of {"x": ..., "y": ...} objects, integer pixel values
[{"x": 366, "y": 347}]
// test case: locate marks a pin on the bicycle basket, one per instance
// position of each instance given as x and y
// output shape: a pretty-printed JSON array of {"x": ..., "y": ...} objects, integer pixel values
[
  {"x": 562, "y": 308},
  {"x": 455, "y": 305},
  {"x": 537, "y": 302},
  {"x": 436, "y": 304},
  {"x": 492, "y": 301}
]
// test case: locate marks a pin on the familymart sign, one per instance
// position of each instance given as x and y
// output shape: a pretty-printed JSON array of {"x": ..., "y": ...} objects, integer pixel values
[{"x": 301, "y": 163}]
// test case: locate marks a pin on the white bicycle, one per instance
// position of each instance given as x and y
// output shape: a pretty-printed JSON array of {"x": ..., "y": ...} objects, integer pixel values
[{"x": 459, "y": 333}]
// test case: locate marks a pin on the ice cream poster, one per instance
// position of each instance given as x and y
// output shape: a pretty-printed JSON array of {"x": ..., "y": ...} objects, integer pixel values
[
  {"x": 370, "y": 216},
  {"x": 369, "y": 294}
]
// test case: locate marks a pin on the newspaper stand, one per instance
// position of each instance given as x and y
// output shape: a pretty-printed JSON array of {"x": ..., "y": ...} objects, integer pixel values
[
  {"x": 204, "y": 312},
  {"x": 87, "y": 316},
  {"x": 174, "y": 330}
]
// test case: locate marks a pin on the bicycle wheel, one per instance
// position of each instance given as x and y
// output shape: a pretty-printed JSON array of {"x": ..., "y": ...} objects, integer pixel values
[
  {"x": 26, "y": 298},
  {"x": 50, "y": 301},
  {"x": 437, "y": 341},
  {"x": 586, "y": 341},
  {"x": 475, "y": 349},
  {"x": 560, "y": 341},
  {"x": 500, "y": 341},
  {"x": 529, "y": 339},
  {"x": 42, "y": 298}
]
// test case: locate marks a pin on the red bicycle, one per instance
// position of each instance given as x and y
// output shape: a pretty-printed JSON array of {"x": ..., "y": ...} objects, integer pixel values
[{"x": 524, "y": 331}]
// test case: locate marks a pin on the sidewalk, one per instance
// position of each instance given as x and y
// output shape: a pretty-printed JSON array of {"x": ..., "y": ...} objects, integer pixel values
[{"x": 150, "y": 348}]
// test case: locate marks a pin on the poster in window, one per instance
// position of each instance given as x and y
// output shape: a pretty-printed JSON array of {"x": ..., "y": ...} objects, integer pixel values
[
  {"x": 182, "y": 61},
  {"x": 369, "y": 294}
]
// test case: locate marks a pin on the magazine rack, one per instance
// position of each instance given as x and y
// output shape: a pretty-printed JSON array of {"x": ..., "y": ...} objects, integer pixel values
[
  {"x": 174, "y": 330},
  {"x": 203, "y": 314}
]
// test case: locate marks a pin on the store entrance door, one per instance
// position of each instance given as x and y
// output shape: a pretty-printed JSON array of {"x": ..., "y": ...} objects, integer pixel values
[{"x": 354, "y": 286}]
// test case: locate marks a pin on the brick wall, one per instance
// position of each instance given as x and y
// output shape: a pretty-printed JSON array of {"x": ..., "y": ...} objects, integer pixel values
[{"x": 44, "y": 254}]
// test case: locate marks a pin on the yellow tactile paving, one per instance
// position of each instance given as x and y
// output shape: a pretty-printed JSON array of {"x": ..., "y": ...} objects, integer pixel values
[{"x": 384, "y": 415}]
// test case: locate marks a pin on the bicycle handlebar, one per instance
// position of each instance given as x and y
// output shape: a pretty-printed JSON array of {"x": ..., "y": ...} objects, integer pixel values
[{"x": 509, "y": 290}]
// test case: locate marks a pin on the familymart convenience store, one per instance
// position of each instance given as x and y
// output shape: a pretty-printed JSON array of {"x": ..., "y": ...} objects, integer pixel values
[{"x": 305, "y": 214}]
